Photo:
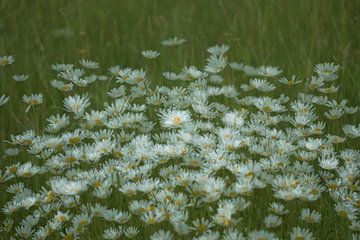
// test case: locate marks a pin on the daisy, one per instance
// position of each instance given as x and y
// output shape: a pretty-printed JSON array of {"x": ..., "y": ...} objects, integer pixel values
[
  {"x": 62, "y": 217},
  {"x": 89, "y": 64},
  {"x": 170, "y": 76},
  {"x": 268, "y": 71},
  {"x": 218, "y": 49},
  {"x": 162, "y": 235},
  {"x": 216, "y": 79},
  {"x": 237, "y": 66},
  {"x": 150, "y": 54},
  {"x": 272, "y": 221},
  {"x": 24, "y": 231},
  {"x": 215, "y": 63},
  {"x": 57, "y": 122},
  {"x": 6, "y": 60},
  {"x": 7, "y": 225},
  {"x": 191, "y": 73},
  {"x": 131, "y": 232},
  {"x": 65, "y": 187},
  {"x": 326, "y": 70},
  {"x": 328, "y": 163},
  {"x": 77, "y": 104},
  {"x": 261, "y": 85},
  {"x": 32, "y": 100},
  {"x": 114, "y": 70},
  {"x": 112, "y": 233},
  {"x": 61, "y": 67},
  {"x": 298, "y": 233},
  {"x": 334, "y": 113},
  {"x": 175, "y": 41},
  {"x": 310, "y": 216},
  {"x": 174, "y": 118},
  {"x": 20, "y": 78},
  {"x": 60, "y": 85},
  {"x": 261, "y": 234},
  {"x": 290, "y": 81}
]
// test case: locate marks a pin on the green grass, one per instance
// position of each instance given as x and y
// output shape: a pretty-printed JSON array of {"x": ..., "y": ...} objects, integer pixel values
[{"x": 293, "y": 35}]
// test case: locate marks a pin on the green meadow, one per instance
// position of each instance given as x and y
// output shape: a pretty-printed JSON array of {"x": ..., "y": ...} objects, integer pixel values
[{"x": 291, "y": 34}]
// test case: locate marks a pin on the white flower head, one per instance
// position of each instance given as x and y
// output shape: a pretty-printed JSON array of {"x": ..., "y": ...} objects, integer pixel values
[
  {"x": 32, "y": 100},
  {"x": 174, "y": 118},
  {"x": 150, "y": 54},
  {"x": 6, "y": 60},
  {"x": 20, "y": 78},
  {"x": 89, "y": 64},
  {"x": 175, "y": 41}
]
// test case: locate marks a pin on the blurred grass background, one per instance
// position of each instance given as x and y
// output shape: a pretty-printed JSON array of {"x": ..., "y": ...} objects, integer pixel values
[{"x": 291, "y": 34}]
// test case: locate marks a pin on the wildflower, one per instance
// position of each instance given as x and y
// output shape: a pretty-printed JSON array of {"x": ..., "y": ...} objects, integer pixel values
[
  {"x": 24, "y": 231},
  {"x": 77, "y": 104},
  {"x": 268, "y": 71},
  {"x": 66, "y": 187},
  {"x": 61, "y": 67},
  {"x": 261, "y": 234},
  {"x": 326, "y": 70},
  {"x": 175, "y": 41},
  {"x": 261, "y": 85},
  {"x": 290, "y": 81},
  {"x": 150, "y": 54},
  {"x": 174, "y": 118},
  {"x": 191, "y": 73},
  {"x": 7, "y": 225},
  {"x": 215, "y": 64},
  {"x": 272, "y": 221},
  {"x": 328, "y": 90},
  {"x": 298, "y": 233},
  {"x": 62, "y": 217},
  {"x": 32, "y": 100},
  {"x": 60, "y": 85},
  {"x": 310, "y": 216},
  {"x": 112, "y": 233},
  {"x": 334, "y": 113},
  {"x": 218, "y": 49},
  {"x": 152, "y": 217},
  {"x": 131, "y": 232},
  {"x": 6, "y": 60},
  {"x": 170, "y": 76},
  {"x": 57, "y": 122},
  {"x": 114, "y": 70},
  {"x": 224, "y": 215},
  {"x": 20, "y": 78},
  {"x": 89, "y": 64},
  {"x": 27, "y": 170},
  {"x": 328, "y": 162},
  {"x": 162, "y": 235},
  {"x": 315, "y": 82},
  {"x": 16, "y": 188}
]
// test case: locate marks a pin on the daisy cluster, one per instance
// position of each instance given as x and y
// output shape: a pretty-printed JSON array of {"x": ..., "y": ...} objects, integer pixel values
[{"x": 186, "y": 160}]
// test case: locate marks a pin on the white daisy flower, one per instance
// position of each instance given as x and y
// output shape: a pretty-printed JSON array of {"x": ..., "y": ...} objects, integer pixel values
[
  {"x": 6, "y": 60},
  {"x": 77, "y": 104},
  {"x": 20, "y": 78},
  {"x": 174, "y": 118},
  {"x": 218, "y": 49},
  {"x": 150, "y": 54},
  {"x": 89, "y": 64},
  {"x": 32, "y": 100},
  {"x": 175, "y": 41}
]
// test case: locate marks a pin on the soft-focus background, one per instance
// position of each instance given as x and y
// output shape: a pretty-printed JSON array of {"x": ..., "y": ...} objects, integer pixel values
[{"x": 293, "y": 35}]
